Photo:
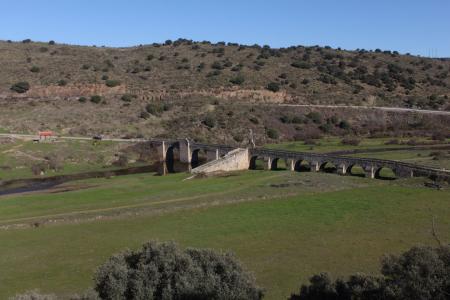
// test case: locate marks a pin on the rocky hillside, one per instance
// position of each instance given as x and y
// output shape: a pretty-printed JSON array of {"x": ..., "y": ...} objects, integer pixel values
[
  {"x": 184, "y": 68},
  {"x": 217, "y": 92}
]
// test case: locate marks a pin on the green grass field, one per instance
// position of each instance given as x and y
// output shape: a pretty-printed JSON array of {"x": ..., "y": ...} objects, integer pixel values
[
  {"x": 284, "y": 226},
  {"x": 330, "y": 144},
  {"x": 17, "y": 157}
]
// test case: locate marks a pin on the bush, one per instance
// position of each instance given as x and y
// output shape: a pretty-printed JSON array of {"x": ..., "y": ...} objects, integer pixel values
[
  {"x": 105, "y": 77},
  {"x": 315, "y": 117},
  {"x": 301, "y": 65},
  {"x": 35, "y": 69},
  {"x": 154, "y": 109},
  {"x": 344, "y": 124},
  {"x": 127, "y": 97},
  {"x": 164, "y": 271},
  {"x": 144, "y": 115},
  {"x": 217, "y": 65},
  {"x": 62, "y": 82},
  {"x": 272, "y": 133},
  {"x": 350, "y": 141},
  {"x": 122, "y": 161},
  {"x": 273, "y": 87},
  {"x": 209, "y": 121},
  {"x": 112, "y": 83},
  {"x": 419, "y": 273},
  {"x": 51, "y": 42},
  {"x": 237, "y": 80},
  {"x": 438, "y": 136},
  {"x": 96, "y": 99},
  {"x": 82, "y": 99},
  {"x": 20, "y": 87}
]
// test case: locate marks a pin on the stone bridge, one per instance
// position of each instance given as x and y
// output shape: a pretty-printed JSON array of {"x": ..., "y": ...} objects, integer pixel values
[{"x": 190, "y": 152}]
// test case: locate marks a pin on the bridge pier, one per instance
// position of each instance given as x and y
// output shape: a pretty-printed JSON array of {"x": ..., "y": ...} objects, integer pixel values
[
  {"x": 212, "y": 155},
  {"x": 268, "y": 165},
  {"x": 162, "y": 151},
  {"x": 185, "y": 151},
  {"x": 290, "y": 164},
  {"x": 341, "y": 169},
  {"x": 370, "y": 172},
  {"x": 315, "y": 166}
]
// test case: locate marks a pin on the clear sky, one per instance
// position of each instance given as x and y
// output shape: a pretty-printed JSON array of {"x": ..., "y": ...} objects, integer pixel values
[{"x": 415, "y": 26}]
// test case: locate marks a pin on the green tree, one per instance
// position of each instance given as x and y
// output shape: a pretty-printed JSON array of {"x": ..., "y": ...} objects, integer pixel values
[
  {"x": 420, "y": 273},
  {"x": 164, "y": 271}
]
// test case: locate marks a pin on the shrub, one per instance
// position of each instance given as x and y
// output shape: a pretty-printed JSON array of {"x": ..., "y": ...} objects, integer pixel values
[
  {"x": 419, "y": 273},
  {"x": 122, "y": 161},
  {"x": 217, "y": 65},
  {"x": 85, "y": 67},
  {"x": 315, "y": 117},
  {"x": 105, "y": 77},
  {"x": 239, "y": 79},
  {"x": 112, "y": 83},
  {"x": 209, "y": 121},
  {"x": 344, "y": 124},
  {"x": 154, "y": 109},
  {"x": 96, "y": 99},
  {"x": 62, "y": 82},
  {"x": 392, "y": 142},
  {"x": 20, "y": 87},
  {"x": 51, "y": 42},
  {"x": 301, "y": 65},
  {"x": 127, "y": 97},
  {"x": 254, "y": 120},
  {"x": 438, "y": 136},
  {"x": 26, "y": 41},
  {"x": 82, "y": 99},
  {"x": 350, "y": 141},
  {"x": 144, "y": 115},
  {"x": 273, "y": 87},
  {"x": 35, "y": 69},
  {"x": 272, "y": 133},
  {"x": 37, "y": 169},
  {"x": 164, "y": 271},
  {"x": 150, "y": 57}
]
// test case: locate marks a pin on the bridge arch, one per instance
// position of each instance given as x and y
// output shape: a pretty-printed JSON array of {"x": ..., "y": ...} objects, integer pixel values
[
  {"x": 277, "y": 164},
  {"x": 302, "y": 165},
  {"x": 355, "y": 170},
  {"x": 199, "y": 156},
  {"x": 328, "y": 167},
  {"x": 385, "y": 173},
  {"x": 257, "y": 163}
]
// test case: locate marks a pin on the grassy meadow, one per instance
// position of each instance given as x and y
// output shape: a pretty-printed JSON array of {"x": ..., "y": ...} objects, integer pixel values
[{"x": 284, "y": 226}]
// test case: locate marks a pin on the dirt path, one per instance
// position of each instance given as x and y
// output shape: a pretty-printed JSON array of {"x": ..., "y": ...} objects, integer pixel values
[{"x": 382, "y": 108}]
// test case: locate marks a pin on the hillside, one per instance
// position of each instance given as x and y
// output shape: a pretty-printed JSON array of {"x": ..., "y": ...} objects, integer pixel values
[
  {"x": 148, "y": 90},
  {"x": 303, "y": 74}
]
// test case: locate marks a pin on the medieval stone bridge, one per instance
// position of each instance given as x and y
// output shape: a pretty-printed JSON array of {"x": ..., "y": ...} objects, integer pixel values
[{"x": 190, "y": 152}]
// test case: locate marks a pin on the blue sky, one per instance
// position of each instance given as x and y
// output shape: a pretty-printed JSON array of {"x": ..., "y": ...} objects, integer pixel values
[{"x": 416, "y": 26}]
